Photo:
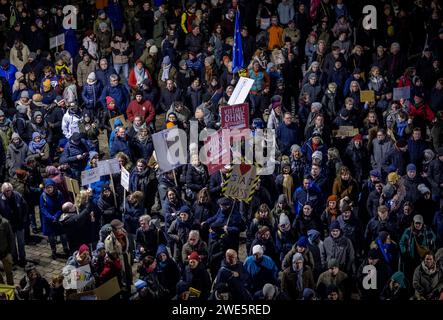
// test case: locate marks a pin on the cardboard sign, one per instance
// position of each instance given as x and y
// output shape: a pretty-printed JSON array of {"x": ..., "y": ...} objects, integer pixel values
[
  {"x": 345, "y": 131},
  {"x": 367, "y": 96},
  {"x": 170, "y": 148},
  {"x": 72, "y": 185},
  {"x": 107, "y": 167},
  {"x": 241, "y": 183},
  {"x": 277, "y": 57},
  {"x": 90, "y": 176},
  {"x": 215, "y": 151},
  {"x": 105, "y": 292},
  {"x": 122, "y": 118},
  {"x": 241, "y": 91},
  {"x": 402, "y": 93},
  {"x": 56, "y": 41},
  {"x": 235, "y": 116},
  {"x": 124, "y": 180}
]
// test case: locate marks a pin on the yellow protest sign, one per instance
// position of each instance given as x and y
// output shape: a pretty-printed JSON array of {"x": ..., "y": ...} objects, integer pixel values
[
  {"x": 6, "y": 292},
  {"x": 367, "y": 96},
  {"x": 241, "y": 182},
  {"x": 72, "y": 185}
]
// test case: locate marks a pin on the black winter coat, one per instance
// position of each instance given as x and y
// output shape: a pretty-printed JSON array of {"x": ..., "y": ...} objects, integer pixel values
[{"x": 199, "y": 279}]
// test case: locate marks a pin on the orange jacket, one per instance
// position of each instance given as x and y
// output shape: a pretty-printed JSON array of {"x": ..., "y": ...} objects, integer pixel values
[{"x": 275, "y": 37}]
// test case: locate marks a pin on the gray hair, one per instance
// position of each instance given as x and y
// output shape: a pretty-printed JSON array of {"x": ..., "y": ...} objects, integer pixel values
[
  {"x": 7, "y": 186},
  {"x": 295, "y": 147},
  {"x": 195, "y": 233},
  {"x": 113, "y": 77},
  {"x": 146, "y": 218}
]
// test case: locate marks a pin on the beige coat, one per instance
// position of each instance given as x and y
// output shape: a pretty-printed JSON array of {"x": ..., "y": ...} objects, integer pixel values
[
  {"x": 120, "y": 52},
  {"x": 113, "y": 247},
  {"x": 13, "y": 57},
  {"x": 83, "y": 70}
]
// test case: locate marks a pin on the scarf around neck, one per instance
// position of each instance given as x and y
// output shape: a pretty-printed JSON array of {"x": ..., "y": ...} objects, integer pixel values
[
  {"x": 140, "y": 75},
  {"x": 36, "y": 147},
  {"x": 401, "y": 126},
  {"x": 165, "y": 73}
]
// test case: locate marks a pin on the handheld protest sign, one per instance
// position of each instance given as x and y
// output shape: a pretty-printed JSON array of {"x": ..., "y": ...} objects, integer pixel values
[
  {"x": 367, "y": 96},
  {"x": 401, "y": 93},
  {"x": 235, "y": 116},
  {"x": 122, "y": 118},
  {"x": 241, "y": 182}
]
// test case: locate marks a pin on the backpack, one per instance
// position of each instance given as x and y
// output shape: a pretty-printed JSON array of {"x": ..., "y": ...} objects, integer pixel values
[{"x": 15, "y": 120}]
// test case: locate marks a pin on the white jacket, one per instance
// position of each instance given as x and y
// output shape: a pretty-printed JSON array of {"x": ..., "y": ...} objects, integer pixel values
[
  {"x": 274, "y": 121},
  {"x": 70, "y": 124},
  {"x": 91, "y": 46}
]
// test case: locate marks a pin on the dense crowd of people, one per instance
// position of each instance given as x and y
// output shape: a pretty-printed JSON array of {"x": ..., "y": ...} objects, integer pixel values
[{"x": 335, "y": 204}]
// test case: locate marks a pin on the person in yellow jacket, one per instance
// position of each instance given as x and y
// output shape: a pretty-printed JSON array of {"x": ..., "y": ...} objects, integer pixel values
[{"x": 187, "y": 19}]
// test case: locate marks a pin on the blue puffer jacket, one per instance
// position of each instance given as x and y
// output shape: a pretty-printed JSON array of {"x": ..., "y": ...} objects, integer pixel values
[
  {"x": 51, "y": 210},
  {"x": 71, "y": 152},
  {"x": 119, "y": 93},
  {"x": 91, "y": 95},
  {"x": 255, "y": 270},
  {"x": 9, "y": 74},
  {"x": 312, "y": 195},
  {"x": 113, "y": 135},
  {"x": 120, "y": 145}
]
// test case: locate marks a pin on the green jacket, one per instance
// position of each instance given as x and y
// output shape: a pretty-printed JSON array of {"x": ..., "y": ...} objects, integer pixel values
[{"x": 425, "y": 238}]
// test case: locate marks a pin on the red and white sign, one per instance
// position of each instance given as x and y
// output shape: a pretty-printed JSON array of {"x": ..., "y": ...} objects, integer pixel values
[
  {"x": 216, "y": 155},
  {"x": 235, "y": 116}
]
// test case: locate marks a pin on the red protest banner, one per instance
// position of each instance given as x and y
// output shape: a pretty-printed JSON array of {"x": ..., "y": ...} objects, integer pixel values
[
  {"x": 235, "y": 116},
  {"x": 217, "y": 156}
]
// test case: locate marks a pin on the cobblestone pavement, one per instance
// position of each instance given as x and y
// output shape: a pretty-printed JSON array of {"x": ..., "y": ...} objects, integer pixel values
[{"x": 40, "y": 254}]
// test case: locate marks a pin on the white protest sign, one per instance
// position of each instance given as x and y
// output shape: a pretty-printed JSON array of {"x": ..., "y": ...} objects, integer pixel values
[
  {"x": 170, "y": 148},
  {"x": 77, "y": 278},
  {"x": 108, "y": 167},
  {"x": 124, "y": 181},
  {"x": 241, "y": 91},
  {"x": 81, "y": 277},
  {"x": 56, "y": 41},
  {"x": 90, "y": 176}
]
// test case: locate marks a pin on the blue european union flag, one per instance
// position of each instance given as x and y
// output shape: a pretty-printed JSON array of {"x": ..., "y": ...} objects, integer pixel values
[{"x": 237, "y": 53}]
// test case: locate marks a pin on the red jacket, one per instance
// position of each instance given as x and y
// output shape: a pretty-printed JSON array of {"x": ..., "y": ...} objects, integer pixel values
[
  {"x": 145, "y": 110},
  {"x": 112, "y": 268},
  {"x": 422, "y": 111},
  {"x": 132, "y": 80}
]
